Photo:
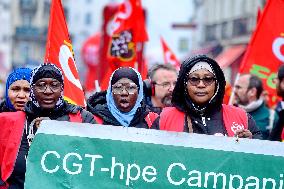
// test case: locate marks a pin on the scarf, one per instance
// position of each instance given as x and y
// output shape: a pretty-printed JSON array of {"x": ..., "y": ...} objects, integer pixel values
[{"x": 124, "y": 118}]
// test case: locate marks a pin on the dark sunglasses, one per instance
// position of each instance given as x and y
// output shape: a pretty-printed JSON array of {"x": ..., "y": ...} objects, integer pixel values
[{"x": 206, "y": 80}]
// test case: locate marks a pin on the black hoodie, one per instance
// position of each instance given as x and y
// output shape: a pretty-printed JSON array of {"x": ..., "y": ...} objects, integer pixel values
[{"x": 4, "y": 108}]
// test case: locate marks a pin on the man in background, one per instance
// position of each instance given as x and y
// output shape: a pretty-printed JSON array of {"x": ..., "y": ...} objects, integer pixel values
[
  {"x": 163, "y": 78},
  {"x": 277, "y": 132},
  {"x": 248, "y": 91}
]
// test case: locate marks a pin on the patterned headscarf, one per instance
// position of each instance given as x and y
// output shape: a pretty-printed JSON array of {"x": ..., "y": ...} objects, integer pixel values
[
  {"x": 124, "y": 118},
  {"x": 46, "y": 71},
  {"x": 17, "y": 74}
]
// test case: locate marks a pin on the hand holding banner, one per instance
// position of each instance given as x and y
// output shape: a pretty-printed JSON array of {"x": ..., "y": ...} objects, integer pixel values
[{"x": 76, "y": 155}]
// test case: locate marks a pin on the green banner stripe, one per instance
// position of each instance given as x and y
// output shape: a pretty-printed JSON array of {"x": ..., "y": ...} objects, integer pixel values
[{"x": 162, "y": 137}]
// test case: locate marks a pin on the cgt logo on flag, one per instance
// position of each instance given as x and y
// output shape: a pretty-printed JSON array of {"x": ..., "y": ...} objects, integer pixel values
[
  {"x": 276, "y": 47},
  {"x": 122, "y": 46},
  {"x": 66, "y": 54}
]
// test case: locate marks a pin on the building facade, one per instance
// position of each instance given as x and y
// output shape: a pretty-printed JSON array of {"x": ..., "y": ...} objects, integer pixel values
[
  {"x": 5, "y": 43},
  {"x": 29, "y": 31},
  {"x": 224, "y": 30}
]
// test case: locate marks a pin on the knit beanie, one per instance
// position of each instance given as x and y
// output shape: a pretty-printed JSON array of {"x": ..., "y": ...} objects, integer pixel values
[{"x": 125, "y": 72}]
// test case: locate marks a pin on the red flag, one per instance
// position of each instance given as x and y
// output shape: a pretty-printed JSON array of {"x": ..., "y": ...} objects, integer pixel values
[
  {"x": 169, "y": 56},
  {"x": 128, "y": 32},
  {"x": 90, "y": 55},
  {"x": 265, "y": 52},
  {"x": 130, "y": 16},
  {"x": 259, "y": 13},
  {"x": 59, "y": 51}
]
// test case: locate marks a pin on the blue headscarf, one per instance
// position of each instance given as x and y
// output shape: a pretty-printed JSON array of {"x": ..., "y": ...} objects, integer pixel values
[
  {"x": 17, "y": 74},
  {"x": 124, "y": 118}
]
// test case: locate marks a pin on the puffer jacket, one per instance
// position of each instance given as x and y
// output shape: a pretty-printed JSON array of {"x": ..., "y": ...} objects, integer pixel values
[
  {"x": 97, "y": 105},
  {"x": 61, "y": 114}
]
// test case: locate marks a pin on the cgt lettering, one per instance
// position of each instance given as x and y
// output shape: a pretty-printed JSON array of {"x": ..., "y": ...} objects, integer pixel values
[{"x": 72, "y": 164}]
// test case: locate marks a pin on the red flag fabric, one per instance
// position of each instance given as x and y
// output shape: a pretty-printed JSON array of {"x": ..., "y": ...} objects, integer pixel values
[
  {"x": 59, "y": 51},
  {"x": 104, "y": 69},
  {"x": 90, "y": 56},
  {"x": 259, "y": 13},
  {"x": 265, "y": 52},
  {"x": 128, "y": 32},
  {"x": 169, "y": 56},
  {"x": 130, "y": 16}
]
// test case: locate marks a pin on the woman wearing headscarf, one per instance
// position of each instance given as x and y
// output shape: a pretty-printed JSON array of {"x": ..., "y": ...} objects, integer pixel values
[
  {"x": 197, "y": 100},
  {"x": 47, "y": 102},
  {"x": 17, "y": 90},
  {"x": 122, "y": 104}
]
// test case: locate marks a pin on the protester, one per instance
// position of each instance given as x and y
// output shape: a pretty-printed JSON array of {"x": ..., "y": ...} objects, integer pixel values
[
  {"x": 163, "y": 78},
  {"x": 197, "y": 101},
  {"x": 18, "y": 128},
  {"x": 17, "y": 90},
  {"x": 277, "y": 132},
  {"x": 122, "y": 104},
  {"x": 248, "y": 91}
]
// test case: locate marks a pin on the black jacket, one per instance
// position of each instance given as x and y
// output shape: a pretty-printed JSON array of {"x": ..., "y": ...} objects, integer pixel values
[
  {"x": 61, "y": 114},
  {"x": 4, "y": 108},
  {"x": 206, "y": 119},
  {"x": 97, "y": 105},
  {"x": 17, "y": 178},
  {"x": 276, "y": 132}
]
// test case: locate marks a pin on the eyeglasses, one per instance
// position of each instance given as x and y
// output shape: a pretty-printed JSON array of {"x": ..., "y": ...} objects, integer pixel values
[
  {"x": 118, "y": 89},
  {"x": 206, "y": 80},
  {"x": 42, "y": 86},
  {"x": 166, "y": 85}
]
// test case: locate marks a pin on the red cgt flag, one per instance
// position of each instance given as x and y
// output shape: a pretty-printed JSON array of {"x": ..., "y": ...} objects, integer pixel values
[
  {"x": 90, "y": 55},
  {"x": 127, "y": 33},
  {"x": 59, "y": 52},
  {"x": 265, "y": 52},
  {"x": 130, "y": 16},
  {"x": 169, "y": 56}
]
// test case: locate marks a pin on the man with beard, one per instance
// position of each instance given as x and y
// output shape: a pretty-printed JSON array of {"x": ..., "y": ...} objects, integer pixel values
[
  {"x": 163, "y": 78},
  {"x": 277, "y": 132},
  {"x": 248, "y": 91}
]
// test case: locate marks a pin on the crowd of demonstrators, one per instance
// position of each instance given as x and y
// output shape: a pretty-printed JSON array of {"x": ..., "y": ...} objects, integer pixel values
[
  {"x": 47, "y": 85},
  {"x": 122, "y": 103},
  {"x": 162, "y": 80},
  {"x": 17, "y": 90},
  {"x": 248, "y": 91},
  {"x": 190, "y": 102},
  {"x": 277, "y": 132},
  {"x": 197, "y": 103}
]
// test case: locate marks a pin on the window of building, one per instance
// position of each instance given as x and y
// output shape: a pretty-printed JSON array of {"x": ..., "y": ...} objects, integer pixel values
[
  {"x": 210, "y": 33},
  {"x": 27, "y": 20},
  {"x": 240, "y": 27},
  {"x": 88, "y": 19},
  {"x": 225, "y": 30}
]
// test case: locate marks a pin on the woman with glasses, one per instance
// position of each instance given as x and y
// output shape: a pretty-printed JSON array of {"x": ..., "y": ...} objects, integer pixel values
[
  {"x": 197, "y": 100},
  {"x": 47, "y": 102},
  {"x": 17, "y": 90},
  {"x": 122, "y": 104}
]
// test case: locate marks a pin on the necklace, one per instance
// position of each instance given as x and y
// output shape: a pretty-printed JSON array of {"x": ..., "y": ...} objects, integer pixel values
[{"x": 30, "y": 131}]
